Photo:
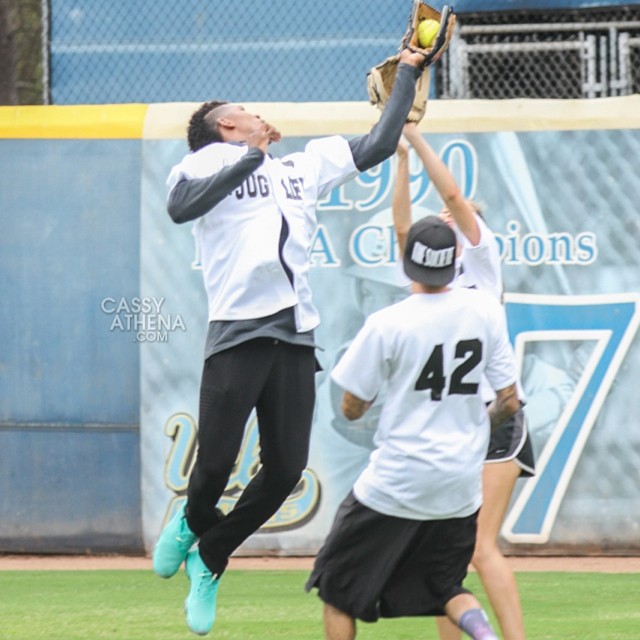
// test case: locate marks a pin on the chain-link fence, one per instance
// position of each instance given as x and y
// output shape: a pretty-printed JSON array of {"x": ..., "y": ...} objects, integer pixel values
[
  {"x": 155, "y": 51},
  {"x": 295, "y": 50},
  {"x": 562, "y": 54},
  {"x": 163, "y": 51}
]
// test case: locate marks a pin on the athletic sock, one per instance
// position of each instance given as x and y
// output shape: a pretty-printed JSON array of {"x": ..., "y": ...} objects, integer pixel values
[{"x": 475, "y": 623}]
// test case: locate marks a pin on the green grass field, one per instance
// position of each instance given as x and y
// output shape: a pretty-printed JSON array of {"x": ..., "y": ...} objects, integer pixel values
[{"x": 269, "y": 605}]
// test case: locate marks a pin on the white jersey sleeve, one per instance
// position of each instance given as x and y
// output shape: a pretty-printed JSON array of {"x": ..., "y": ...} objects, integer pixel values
[
  {"x": 363, "y": 367},
  {"x": 205, "y": 162},
  {"x": 333, "y": 161},
  {"x": 481, "y": 268},
  {"x": 501, "y": 370}
]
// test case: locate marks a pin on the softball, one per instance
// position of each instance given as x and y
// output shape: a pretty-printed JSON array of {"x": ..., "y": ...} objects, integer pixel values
[{"x": 427, "y": 31}]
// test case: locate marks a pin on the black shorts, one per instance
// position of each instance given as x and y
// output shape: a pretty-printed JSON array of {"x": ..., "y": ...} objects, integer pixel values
[
  {"x": 511, "y": 441},
  {"x": 373, "y": 565}
]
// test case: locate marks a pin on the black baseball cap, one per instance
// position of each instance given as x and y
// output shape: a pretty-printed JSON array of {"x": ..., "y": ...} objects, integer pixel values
[{"x": 430, "y": 254}]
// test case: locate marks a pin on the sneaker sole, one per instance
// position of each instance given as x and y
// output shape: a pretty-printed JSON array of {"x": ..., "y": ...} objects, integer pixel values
[{"x": 198, "y": 633}]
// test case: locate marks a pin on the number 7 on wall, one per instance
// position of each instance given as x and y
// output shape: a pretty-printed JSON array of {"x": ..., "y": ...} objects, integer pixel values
[{"x": 610, "y": 322}]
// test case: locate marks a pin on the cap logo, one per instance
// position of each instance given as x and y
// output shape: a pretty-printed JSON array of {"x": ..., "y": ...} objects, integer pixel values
[{"x": 435, "y": 258}]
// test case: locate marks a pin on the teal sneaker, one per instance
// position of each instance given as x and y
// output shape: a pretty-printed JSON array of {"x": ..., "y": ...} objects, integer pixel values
[
  {"x": 200, "y": 605},
  {"x": 173, "y": 545}
]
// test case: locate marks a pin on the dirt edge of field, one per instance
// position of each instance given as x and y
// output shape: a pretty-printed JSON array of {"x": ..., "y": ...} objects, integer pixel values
[{"x": 16, "y": 562}]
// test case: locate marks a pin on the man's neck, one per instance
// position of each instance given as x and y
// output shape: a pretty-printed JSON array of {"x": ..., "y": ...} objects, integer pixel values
[{"x": 417, "y": 287}]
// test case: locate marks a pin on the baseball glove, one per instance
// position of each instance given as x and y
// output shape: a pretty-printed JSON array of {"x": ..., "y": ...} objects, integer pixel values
[
  {"x": 380, "y": 81},
  {"x": 420, "y": 12},
  {"x": 380, "y": 78}
]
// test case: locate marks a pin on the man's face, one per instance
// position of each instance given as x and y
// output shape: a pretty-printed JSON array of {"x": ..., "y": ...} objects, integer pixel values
[
  {"x": 240, "y": 121},
  {"x": 245, "y": 122}
]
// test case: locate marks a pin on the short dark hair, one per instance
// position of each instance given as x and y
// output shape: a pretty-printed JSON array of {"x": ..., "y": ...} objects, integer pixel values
[{"x": 200, "y": 133}]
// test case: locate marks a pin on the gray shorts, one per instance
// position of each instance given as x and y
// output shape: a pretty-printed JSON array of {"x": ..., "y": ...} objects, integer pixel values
[{"x": 373, "y": 565}]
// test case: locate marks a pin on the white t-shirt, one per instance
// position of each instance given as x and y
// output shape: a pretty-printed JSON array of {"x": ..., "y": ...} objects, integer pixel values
[
  {"x": 479, "y": 265},
  {"x": 432, "y": 351},
  {"x": 238, "y": 240}
]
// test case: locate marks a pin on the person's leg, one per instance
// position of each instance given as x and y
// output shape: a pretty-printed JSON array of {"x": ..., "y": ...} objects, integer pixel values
[
  {"x": 465, "y": 611},
  {"x": 223, "y": 414},
  {"x": 232, "y": 381},
  {"x": 447, "y": 630},
  {"x": 337, "y": 624},
  {"x": 498, "y": 580},
  {"x": 285, "y": 414}
]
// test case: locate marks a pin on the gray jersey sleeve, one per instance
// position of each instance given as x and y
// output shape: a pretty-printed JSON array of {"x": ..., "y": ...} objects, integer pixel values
[
  {"x": 191, "y": 199},
  {"x": 382, "y": 142}
]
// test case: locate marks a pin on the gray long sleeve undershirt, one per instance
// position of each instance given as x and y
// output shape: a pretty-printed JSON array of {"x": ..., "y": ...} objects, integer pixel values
[
  {"x": 382, "y": 141},
  {"x": 191, "y": 199}
]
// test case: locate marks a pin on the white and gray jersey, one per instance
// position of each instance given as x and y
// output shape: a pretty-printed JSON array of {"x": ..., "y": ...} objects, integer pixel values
[
  {"x": 255, "y": 217},
  {"x": 432, "y": 351},
  {"x": 249, "y": 271}
]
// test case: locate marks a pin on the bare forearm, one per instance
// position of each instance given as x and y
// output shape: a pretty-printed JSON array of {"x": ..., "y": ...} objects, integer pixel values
[
  {"x": 401, "y": 205},
  {"x": 353, "y": 407},
  {"x": 434, "y": 166},
  {"x": 445, "y": 184},
  {"x": 504, "y": 406}
]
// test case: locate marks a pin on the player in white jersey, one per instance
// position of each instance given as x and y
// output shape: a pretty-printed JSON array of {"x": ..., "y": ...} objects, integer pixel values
[
  {"x": 255, "y": 218},
  {"x": 402, "y": 540},
  {"x": 510, "y": 453}
]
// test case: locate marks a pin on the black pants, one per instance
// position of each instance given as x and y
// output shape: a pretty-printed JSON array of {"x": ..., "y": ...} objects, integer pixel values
[{"x": 278, "y": 379}]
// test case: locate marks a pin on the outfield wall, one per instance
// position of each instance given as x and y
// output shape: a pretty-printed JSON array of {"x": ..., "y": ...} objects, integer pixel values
[
  {"x": 104, "y": 316},
  {"x": 69, "y": 390}
]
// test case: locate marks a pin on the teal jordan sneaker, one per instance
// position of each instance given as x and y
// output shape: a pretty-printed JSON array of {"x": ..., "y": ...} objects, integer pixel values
[
  {"x": 173, "y": 545},
  {"x": 200, "y": 605}
]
